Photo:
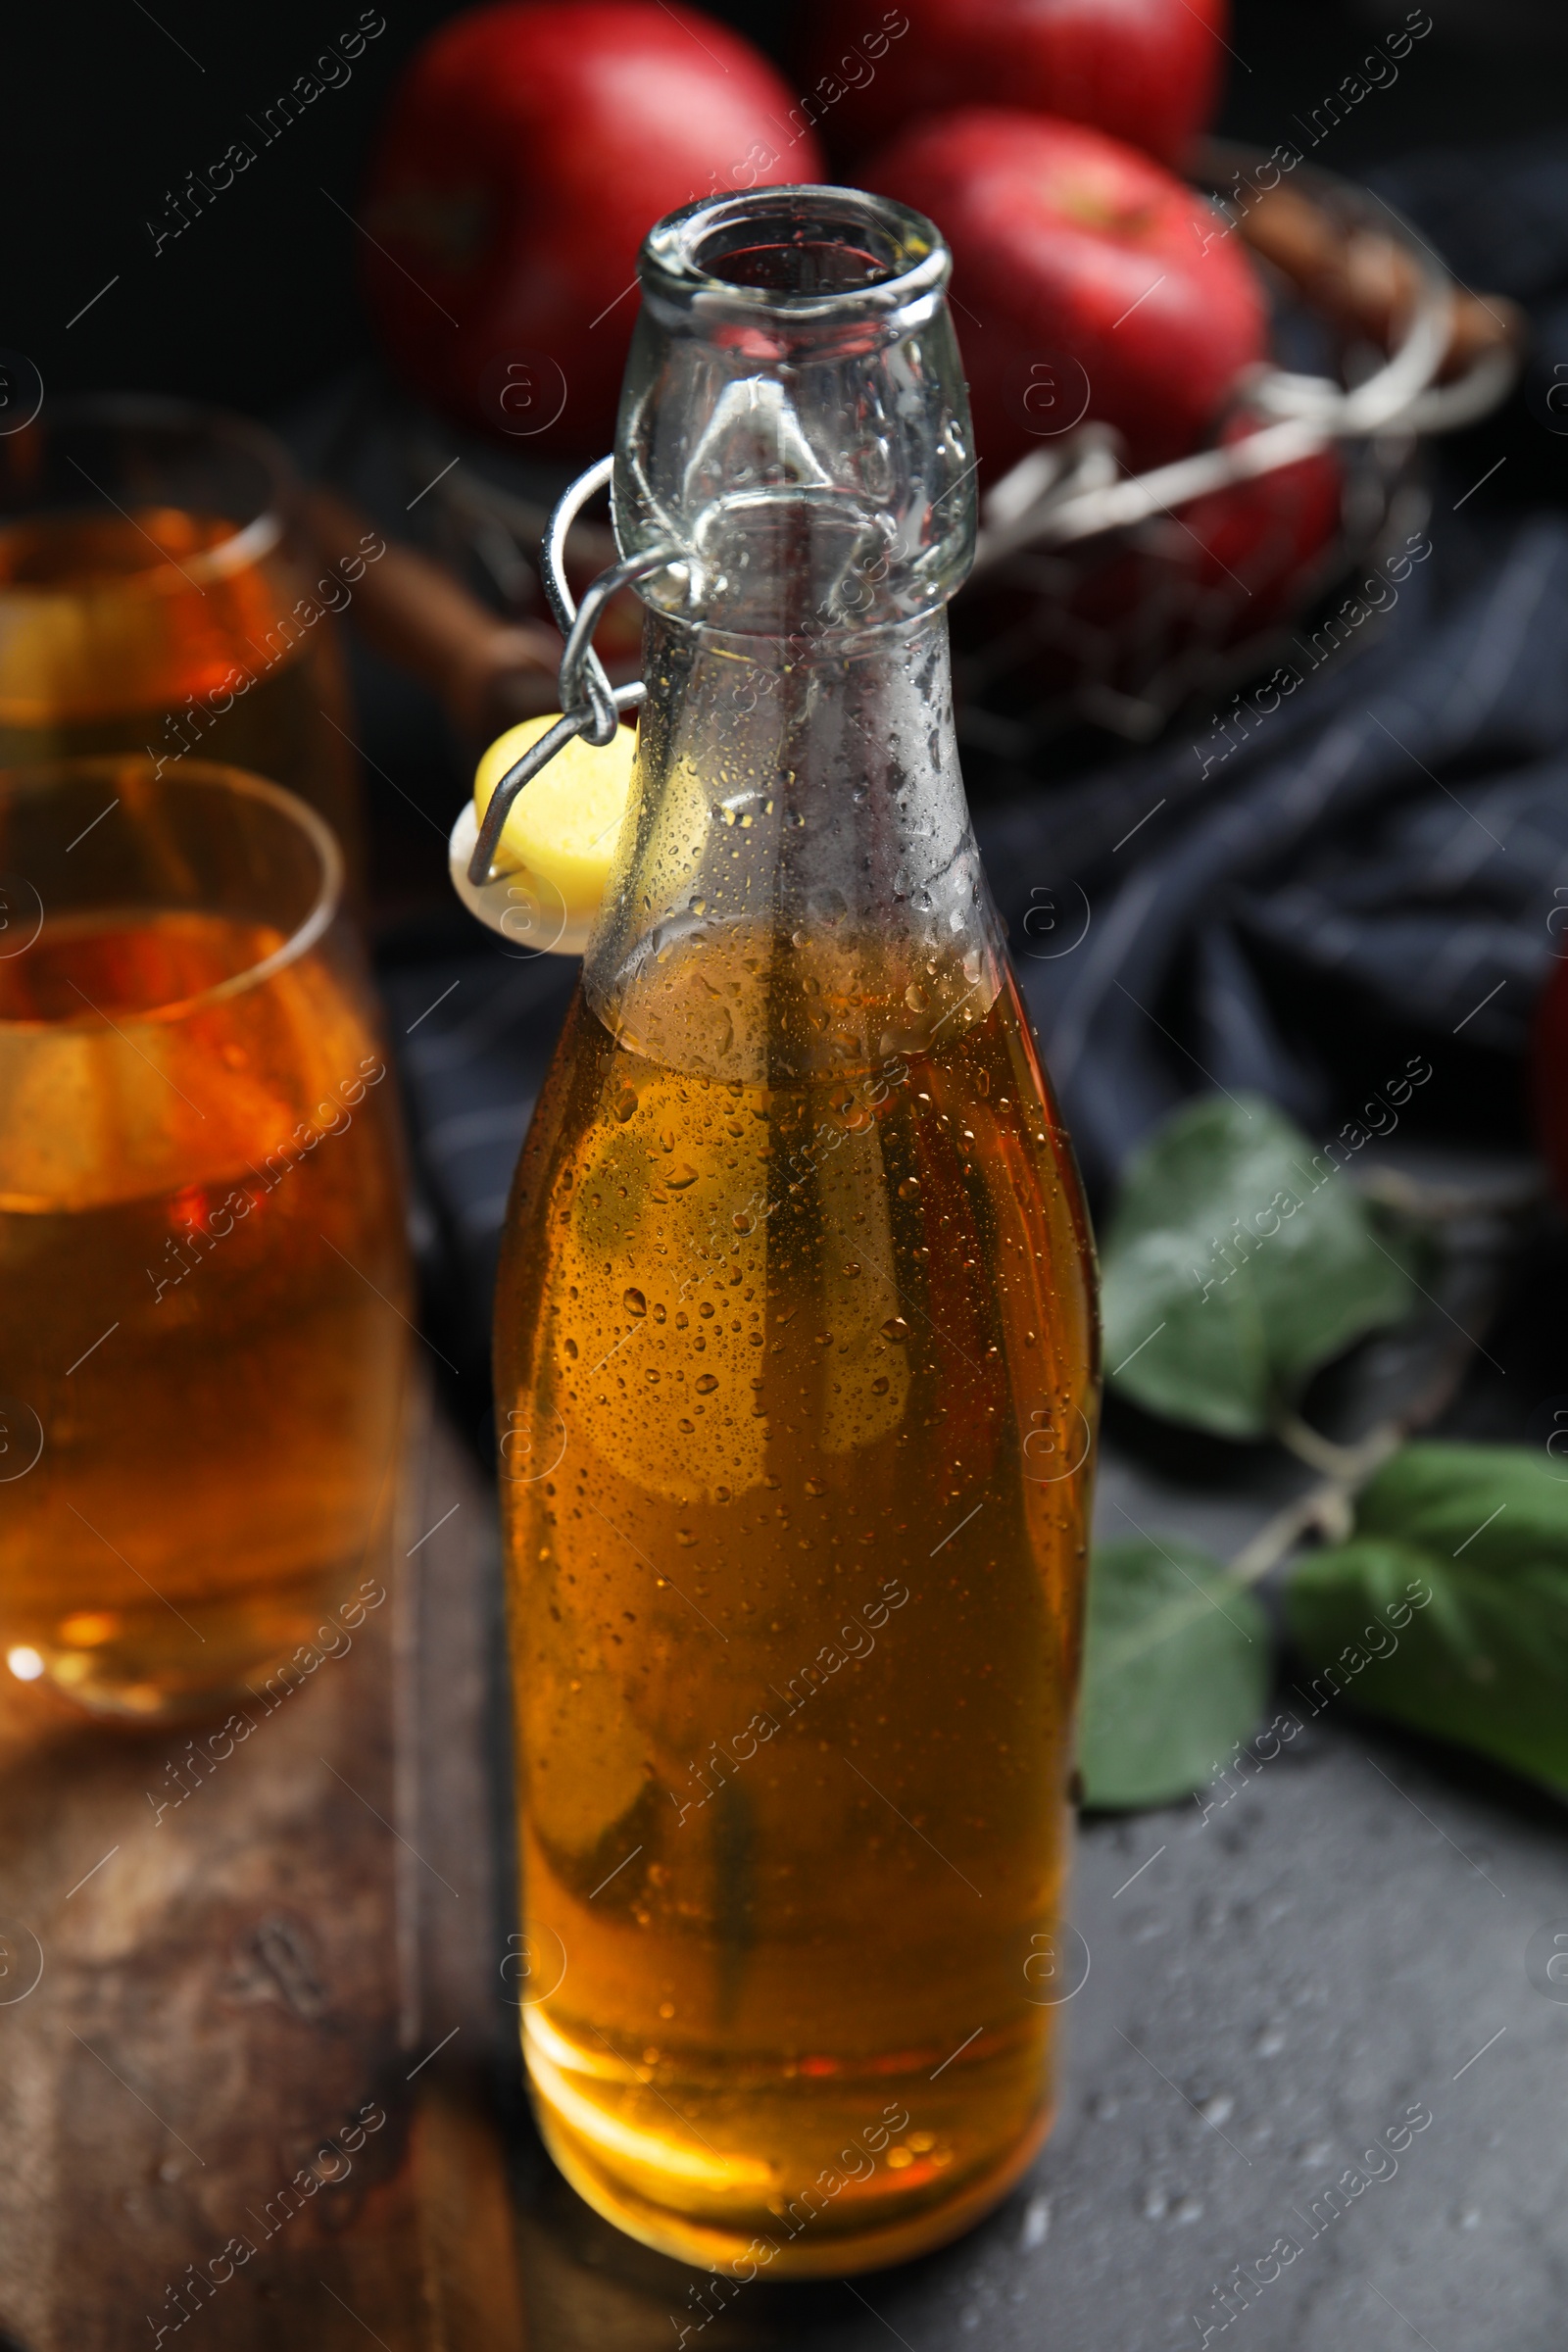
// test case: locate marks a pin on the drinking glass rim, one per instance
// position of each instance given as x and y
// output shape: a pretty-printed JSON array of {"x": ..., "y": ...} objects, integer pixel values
[
  {"x": 248, "y": 542},
  {"x": 39, "y": 775}
]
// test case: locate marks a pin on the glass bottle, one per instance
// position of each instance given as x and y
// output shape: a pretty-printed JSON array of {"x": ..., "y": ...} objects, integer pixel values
[{"x": 795, "y": 1348}]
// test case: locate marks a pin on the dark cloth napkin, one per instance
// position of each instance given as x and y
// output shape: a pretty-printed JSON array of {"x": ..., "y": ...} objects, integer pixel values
[{"x": 1371, "y": 870}]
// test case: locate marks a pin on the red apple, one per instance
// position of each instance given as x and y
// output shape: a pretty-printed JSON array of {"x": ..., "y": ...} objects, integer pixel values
[
  {"x": 1145, "y": 71},
  {"x": 530, "y": 148},
  {"x": 1131, "y": 614},
  {"x": 1076, "y": 260},
  {"x": 1262, "y": 541},
  {"x": 1222, "y": 567}
]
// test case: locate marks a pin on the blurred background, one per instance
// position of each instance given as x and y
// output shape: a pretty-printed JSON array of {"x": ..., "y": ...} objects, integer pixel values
[
  {"x": 258, "y": 317},
  {"x": 1319, "y": 970},
  {"x": 258, "y": 308}
]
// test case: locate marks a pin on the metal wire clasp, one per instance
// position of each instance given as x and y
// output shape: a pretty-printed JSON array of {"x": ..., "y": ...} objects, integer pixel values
[{"x": 590, "y": 705}]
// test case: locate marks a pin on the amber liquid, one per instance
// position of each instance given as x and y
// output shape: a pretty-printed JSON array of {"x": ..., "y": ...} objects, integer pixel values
[
  {"x": 111, "y": 642},
  {"x": 200, "y": 1338},
  {"x": 796, "y": 1386}
]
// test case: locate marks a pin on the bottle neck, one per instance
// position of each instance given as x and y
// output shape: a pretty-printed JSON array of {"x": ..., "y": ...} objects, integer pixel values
[{"x": 801, "y": 896}]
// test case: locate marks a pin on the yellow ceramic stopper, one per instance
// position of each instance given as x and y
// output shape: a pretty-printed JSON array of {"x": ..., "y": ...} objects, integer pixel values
[{"x": 562, "y": 826}]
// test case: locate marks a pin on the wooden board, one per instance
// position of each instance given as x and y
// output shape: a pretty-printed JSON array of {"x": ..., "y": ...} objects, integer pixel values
[{"x": 237, "y": 2102}]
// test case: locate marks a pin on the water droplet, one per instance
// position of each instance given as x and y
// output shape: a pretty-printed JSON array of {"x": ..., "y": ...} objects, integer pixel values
[
  {"x": 1156, "y": 2205},
  {"x": 815, "y": 1486},
  {"x": 879, "y": 1387},
  {"x": 666, "y": 2009},
  {"x": 707, "y": 1309},
  {"x": 698, "y": 905},
  {"x": 707, "y": 1385},
  {"x": 721, "y": 1494},
  {"x": 894, "y": 1328},
  {"x": 1189, "y": 2209},
  {"x": 800, "y": 939},
  {"x": 634, "y": 1302},
  {"x": 852, "y": 1268},
  {"x": 742, "y": 1222},
  {"x": 1219, "y": 2109},
  {"x": 915, "y": 997},
  {"x": 971, "y": 966},
  {"x": 625, "y": 1105},
  {"x": 571, "y": 1349},
  {"x": 680, "y": 1176},
  {"x": 686, "y": 1535},
  {"x": 687, "y": 1428}
]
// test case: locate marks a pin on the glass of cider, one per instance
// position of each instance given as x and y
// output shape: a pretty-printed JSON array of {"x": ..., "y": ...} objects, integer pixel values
[
  {"x": 157, "y": 595},
  {"x": 203, "y": 1268}
]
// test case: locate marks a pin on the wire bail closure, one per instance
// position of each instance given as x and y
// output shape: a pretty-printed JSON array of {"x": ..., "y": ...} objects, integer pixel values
[{"x": 590, "y": 705}]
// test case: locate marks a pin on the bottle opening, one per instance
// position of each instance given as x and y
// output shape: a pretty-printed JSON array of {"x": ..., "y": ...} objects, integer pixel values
[
  {"x": 820, "y": 256},
  {"x": 795, "y": 250}
]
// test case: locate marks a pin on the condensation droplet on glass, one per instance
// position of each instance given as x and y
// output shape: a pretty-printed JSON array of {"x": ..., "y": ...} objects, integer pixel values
[{"x": 634, "y": 1302}]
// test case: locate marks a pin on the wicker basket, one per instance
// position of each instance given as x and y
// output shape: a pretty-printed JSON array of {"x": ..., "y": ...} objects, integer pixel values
[{"x": 1107, "y": 599}]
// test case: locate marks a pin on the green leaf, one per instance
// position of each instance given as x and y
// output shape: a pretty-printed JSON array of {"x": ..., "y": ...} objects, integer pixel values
[
  {"x": 1493, "y": 1506},
  {"x": 1176, "y": 1669},
  {"x": 1235, "y": 1265},
  {"x": 1447, "y": 1610}
]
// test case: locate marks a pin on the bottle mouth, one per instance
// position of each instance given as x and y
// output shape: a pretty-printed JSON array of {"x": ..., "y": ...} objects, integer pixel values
[{"x": 795, "y": 256}]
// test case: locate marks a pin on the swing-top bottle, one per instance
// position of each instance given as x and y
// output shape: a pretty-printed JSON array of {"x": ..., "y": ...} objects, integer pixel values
[{"x": 796, "y": 1344}]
